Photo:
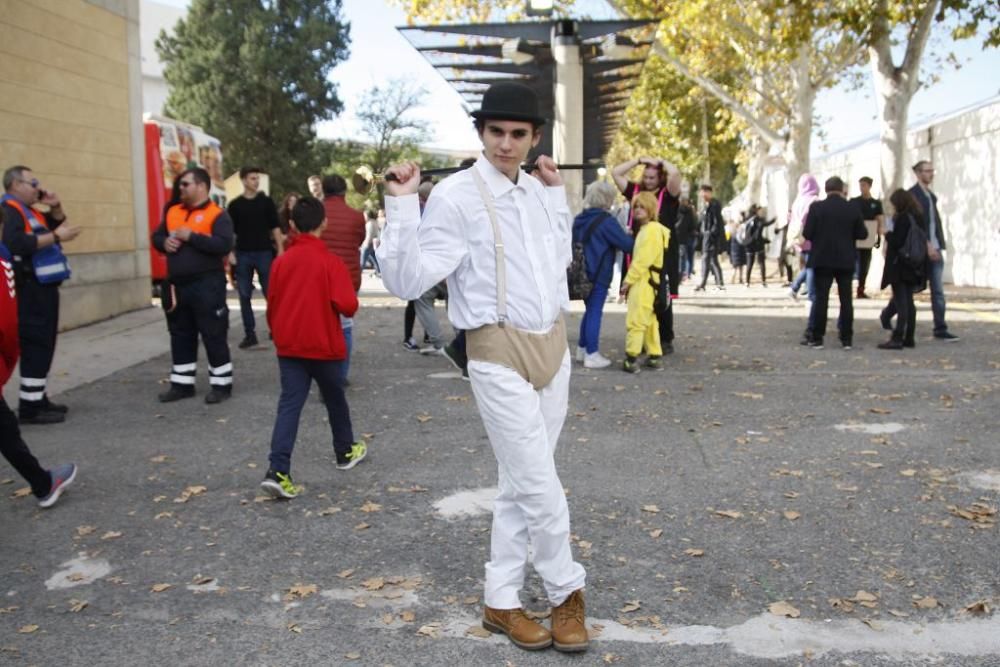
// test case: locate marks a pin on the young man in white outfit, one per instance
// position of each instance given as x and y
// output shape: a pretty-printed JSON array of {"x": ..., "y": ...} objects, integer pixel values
[{"x": 509, "y": 294}]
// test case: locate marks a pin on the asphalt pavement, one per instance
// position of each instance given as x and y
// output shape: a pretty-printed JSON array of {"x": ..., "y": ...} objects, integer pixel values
[{"x": 755, "y": 503}]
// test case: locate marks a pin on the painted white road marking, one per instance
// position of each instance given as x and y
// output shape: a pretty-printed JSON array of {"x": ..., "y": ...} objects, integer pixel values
[
  {"x": 871, "y": 429},
  {"x": 466, "y": 504},
  {"x": 78, "y": 572}
]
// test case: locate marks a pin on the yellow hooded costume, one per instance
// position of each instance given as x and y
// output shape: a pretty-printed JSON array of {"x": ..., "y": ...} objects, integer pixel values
[{"x": 642, "y": 328}]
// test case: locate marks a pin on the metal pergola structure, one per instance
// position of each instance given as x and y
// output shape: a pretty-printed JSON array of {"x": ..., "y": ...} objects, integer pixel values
[{"x": 472, "y": 56}]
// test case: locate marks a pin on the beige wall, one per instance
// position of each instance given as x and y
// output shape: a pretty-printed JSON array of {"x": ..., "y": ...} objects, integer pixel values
[{"x": 70, "y": 108}]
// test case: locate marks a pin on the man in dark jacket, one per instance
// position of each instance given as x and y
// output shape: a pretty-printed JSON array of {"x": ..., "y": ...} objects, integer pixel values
[
  {"x": 196, "y": 235},
  {"x": 832, "y": 226},
  {"x": 713, "y": 235},
  {"x": 924, "y": 171}
]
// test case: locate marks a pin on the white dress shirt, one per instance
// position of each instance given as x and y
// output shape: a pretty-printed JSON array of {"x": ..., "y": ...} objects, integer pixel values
[{"x": 454, "y": 241}]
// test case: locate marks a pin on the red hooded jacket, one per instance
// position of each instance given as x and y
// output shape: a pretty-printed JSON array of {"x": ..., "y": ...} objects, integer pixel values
[
  {"x": 308, "y": 290},
  {"x": 344, "y": 234},
  {"x": 9, "y": 346}
]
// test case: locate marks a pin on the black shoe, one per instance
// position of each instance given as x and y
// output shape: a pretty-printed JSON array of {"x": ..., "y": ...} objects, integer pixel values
[
  {"x": 53, "y": 407},
  {"x": 249, "y": 341},
  {"x": 41, "y": 417},
  {"x": 891, "y": 344},
  {"x": 816, "y": 344},
  {"x": 455, "y": 356},
  {"x": 909, "y": 343},
  {"x": 218, "y": 395},
  {"x": 886, "y": 322},
  {"x": 947, "y": 336},
  {"x": 846, "y": 344},
  {"x": 176, "y": 393},
  {"x": 668, "y": 348}
]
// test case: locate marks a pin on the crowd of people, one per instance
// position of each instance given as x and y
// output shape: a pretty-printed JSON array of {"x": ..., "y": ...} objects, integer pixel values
[{"x": 496, "y": 243}]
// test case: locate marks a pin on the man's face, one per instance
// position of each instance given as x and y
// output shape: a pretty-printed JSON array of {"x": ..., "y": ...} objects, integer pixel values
[
  {"x": 706, "y": 196},
  {"x": 651, "y": 178},
  {"x": 25, "y": 187},
  {"x": 506, "y": 144},
  {"x": 926, "y": 174},
  {"x": 251, "y": 183},
  {"x": 315, "y": 187},
  {"x": 192, "y": 192},
  {"x": 866, "y": 189}
]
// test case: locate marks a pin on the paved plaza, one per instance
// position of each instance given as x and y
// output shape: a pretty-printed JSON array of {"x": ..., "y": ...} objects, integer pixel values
[{"x": 755, "y": 503}]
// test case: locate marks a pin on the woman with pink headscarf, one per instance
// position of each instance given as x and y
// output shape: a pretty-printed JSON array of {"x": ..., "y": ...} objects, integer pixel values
[{"x": 808, "y": 193}]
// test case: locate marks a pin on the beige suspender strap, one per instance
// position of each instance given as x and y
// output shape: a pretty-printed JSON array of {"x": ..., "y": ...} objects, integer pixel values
[{"x": 498, "y": 244}]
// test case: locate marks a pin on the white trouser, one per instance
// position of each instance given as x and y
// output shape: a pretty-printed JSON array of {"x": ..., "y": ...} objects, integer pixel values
[{"x": 523, "y": 426}]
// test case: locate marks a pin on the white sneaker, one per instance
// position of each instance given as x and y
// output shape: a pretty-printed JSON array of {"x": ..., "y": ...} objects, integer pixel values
[
  {"x": 581, "y": 353},
  {"x": 596, "y": 360},
  {"x": 430, "y": 349}
]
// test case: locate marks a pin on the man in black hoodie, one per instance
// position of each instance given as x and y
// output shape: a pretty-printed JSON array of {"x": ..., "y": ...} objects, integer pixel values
[{"x": 832, "y": 225}]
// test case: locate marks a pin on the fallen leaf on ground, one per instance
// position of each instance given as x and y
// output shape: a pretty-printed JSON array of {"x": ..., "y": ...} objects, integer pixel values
[
  {"x": 656, "y": 533},
  {"x": 791, "y": 494},
  {"x": 27, "y": 629},
  {"x": 899, "y": 614},
  {"x": 162, "y": 458},
  {"x": 432, "y": 630},
  {"x": 864, "y": 596},
  {"x": 978, "y": 608},
  {"x": 478, "y": 631},
  {"x": 76, "y": 606},
  {"x": 748, "y": 394},
  {"x": 294, "y": 627},
  {"x": 328, "y": 511},
  {"x": 874, "y": 625},
  {"x": 630, "y": 606},
  {"x": 369, "y": 507},
  {"x": 791, "y": 515},
  {"x": 908, "y": 473},
  {"x": 344, "y": 574},
  {"x": 111, "y": 535},
  {"x": 611, "y": 657},
  {"x": 159, "y": 588},
  {"x": 730, "y": 514},
  {"x": 880, "y": 411},
  {"x": 374, "y": 584},
  {"x": 652, "y": 509},
  {"x": 927, "y": 602},
  {"x": 362, "y": 526},
  {"x": 423, "y": 419},
  {"x": 302, "y": 591},
  {"x": 353, "y": 655},
  {"x": 407, "y": 616},
  {"x": 978, "y": 513},
  {"x": 783, "y": 608},
  {"x": 189, "y": 493},
  {"x": 696, "y": 553},
  {"x": 82, "y": 531}
]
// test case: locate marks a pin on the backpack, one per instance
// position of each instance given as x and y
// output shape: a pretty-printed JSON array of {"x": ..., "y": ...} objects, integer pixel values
[
  {"x": 662, "y": 299},
  {"x": 744, "y": 232},
  {"x": 577, "y": 279},
  {"x": 913, "y": 252}
]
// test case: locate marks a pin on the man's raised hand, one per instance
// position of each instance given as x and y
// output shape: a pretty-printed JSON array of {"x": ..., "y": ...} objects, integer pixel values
[
  {"x": 547, "y": 171},
  {"x": 407, "y": 178}
]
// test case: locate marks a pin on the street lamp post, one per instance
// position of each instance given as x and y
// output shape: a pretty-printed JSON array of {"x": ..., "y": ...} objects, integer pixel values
[{"x": 567, "y": 128}]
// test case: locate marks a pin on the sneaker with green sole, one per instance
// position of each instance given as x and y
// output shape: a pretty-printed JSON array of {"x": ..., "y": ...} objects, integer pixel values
[
  {"x": 654, "y": 363},
  {"x": 279, "y": 485},
  {"x": 359, "y": 451},
  {"x": 630, "y": 366}
]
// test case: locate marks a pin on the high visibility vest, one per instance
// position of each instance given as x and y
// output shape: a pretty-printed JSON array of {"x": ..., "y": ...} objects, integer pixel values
[
  {"x": 29, "y": 213},
  {"x": 200, "y": 220}
]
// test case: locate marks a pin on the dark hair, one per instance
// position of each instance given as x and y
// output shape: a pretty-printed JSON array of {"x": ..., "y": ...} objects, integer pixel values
[
  {"x": 12, "y": 174},
  {"x": 467, "y": 162},
  {"x": 706, "y": 187},
  {"x": 334, "y": 185},
  {"x": 920, "y": 164},
  {"x": 480, "y": 124},
  {"x": 284, "y": 214},
  {"x": 866, "y": 179},
  {"x": 198, "y": 174},
  {"x": 904, "y": 202},
  {"x": 308, "y": 214},
  {"x": 834, "y": 184},
  {"x": 246, "y": 171}
]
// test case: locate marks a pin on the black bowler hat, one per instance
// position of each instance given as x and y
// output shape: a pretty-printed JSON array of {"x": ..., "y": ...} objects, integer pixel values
[{"x": 509, "y": 101}]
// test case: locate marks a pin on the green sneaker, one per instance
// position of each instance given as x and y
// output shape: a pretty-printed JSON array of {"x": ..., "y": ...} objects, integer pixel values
[
  {"x": 359, "y": 451},
  {"x": 630, "y": 366},
  {"x": 654, "y": 363},
  {"x": 279, "y": 485}
]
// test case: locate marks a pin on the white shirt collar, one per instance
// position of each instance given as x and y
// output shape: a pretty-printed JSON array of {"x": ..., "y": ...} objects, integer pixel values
[{"x": 496, "y": 180}]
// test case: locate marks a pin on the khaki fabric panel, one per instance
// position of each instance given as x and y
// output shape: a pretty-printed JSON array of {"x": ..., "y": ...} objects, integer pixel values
[
  {"x": 62, "y": 84},
  {"x": 71, "y": 22},
  {"x": 33, "y": 103},
  {"x": 16, "y": 128},
  {"x": 54, "y": 54}
]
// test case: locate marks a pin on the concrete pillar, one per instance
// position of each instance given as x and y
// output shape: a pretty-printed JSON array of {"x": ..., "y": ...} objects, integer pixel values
[{"x": 567, "y": 128}]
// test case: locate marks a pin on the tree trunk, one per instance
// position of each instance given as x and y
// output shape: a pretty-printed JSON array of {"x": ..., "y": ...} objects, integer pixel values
[
  {"x": 706, "y": 174},
  {"x": 755, "y": 170},
  {"x": 796, "y": 151}
]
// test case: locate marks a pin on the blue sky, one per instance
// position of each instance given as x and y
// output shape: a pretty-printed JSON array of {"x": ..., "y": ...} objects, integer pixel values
[{"x": 379, "y": 54}]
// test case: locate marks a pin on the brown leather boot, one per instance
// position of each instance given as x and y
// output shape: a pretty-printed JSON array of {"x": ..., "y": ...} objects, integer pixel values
[
  {"x": 569, "y": 631},
  {"x": 522, "y": 631}
]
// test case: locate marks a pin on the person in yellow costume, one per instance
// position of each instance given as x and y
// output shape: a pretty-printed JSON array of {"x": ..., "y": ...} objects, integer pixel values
[{"x": 642, "y": 329}]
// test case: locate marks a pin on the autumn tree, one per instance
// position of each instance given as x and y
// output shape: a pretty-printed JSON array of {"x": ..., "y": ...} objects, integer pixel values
[
  {"x": 255, "y": 74},
  {"x": 882, "y": 25}
]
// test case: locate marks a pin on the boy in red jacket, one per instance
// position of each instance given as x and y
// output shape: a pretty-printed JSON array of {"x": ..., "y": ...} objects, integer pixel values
[
  {"x": 309, "y": 290},
  {"x": 47, "y": 485}
]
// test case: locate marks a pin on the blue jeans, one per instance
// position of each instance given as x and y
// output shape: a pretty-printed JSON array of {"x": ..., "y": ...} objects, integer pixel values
[
  {"x": 347, "y": 324},
  {"x": 590, "y": 325},
  {"x": 687, "y": 259},
  {"x": 246, "y": 263},
  {"x": 936, "y": 282},
  {"x": 369, "y": 253},
  {"x": 296, "y": 378}
]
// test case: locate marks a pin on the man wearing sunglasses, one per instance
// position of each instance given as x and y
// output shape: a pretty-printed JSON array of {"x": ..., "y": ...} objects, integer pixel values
[
  {"x": 196, "y": 234},
  {"x": 27, "y": 232}
]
